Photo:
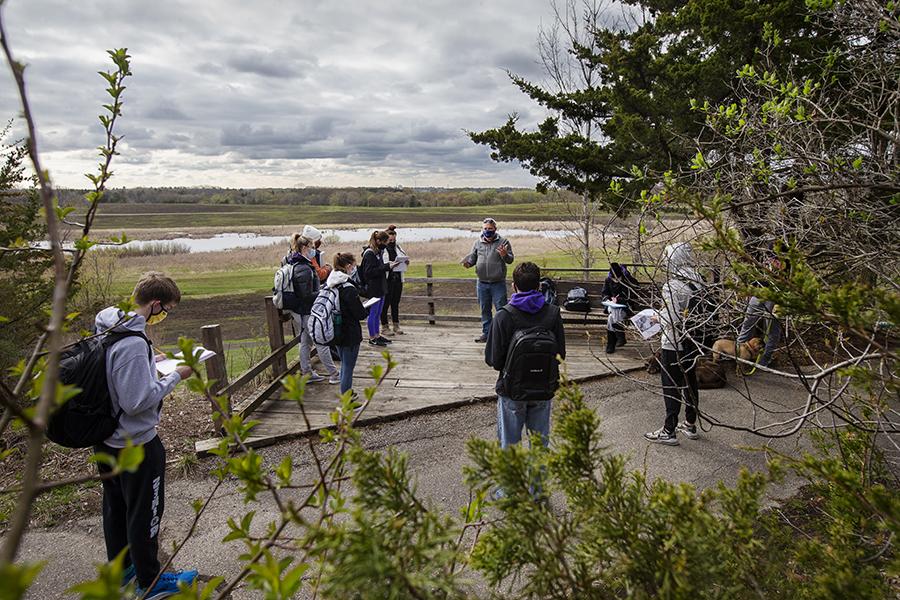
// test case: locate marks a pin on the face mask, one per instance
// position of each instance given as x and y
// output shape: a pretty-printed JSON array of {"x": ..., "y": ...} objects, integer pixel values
[
  {"x": 155, "y": 319},
  {"x": 352, "y": 271},
  {"x": 489, "y": 233},
  {"x": 311, "y": 253}
]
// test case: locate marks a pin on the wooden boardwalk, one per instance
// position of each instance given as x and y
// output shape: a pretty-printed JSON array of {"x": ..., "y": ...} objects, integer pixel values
[{"x": 438, "y": 366}]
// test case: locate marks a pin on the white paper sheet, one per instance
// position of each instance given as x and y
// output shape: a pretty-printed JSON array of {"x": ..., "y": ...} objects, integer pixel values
[
  {"x": 644, "y": 325},
  {"x": 611, "y": 304},
  {"x": 370, "y": 302},
  {"x": 168, "y": 365}
]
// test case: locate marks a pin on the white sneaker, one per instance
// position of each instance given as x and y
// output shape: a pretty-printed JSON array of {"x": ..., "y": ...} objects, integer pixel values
[
  {"x": 688, "y": 430},
  {"x": 315, "y": 377},
  {"x": 333, "y": 379},
  {"x": 661, "y": 436}
]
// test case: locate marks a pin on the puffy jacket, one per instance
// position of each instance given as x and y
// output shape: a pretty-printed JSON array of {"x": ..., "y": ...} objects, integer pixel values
[
  {"x": 305, "y": 281},
  {"x": 490, "y": 267},
  {"x": 352, "y": 310}
]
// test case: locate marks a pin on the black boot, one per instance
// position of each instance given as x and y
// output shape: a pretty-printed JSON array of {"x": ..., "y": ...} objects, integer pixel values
[
  {"x": 620, "y": 338},
  {"x": 610, "y": 341}
]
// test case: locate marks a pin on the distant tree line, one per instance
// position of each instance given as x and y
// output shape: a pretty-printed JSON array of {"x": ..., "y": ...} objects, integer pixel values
[{"x": 313, "y": 196}]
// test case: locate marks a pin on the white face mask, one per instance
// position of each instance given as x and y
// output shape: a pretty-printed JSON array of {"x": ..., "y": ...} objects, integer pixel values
[
  {"x": 311, "y": 253},
  {"x": 352, "y": 271}
]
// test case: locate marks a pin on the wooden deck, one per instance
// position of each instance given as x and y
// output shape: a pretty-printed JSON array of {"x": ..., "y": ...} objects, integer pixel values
[{"x": 439, "y": 366}]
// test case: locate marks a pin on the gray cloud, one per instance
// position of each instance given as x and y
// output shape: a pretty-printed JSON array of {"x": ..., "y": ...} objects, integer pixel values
[{"x": 271, "y": 93}]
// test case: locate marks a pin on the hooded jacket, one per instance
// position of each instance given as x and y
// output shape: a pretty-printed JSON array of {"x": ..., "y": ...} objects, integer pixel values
[
  {"x": 305, "y": 281},
  {"x": 676, "y": 294},
  {"x": 374, "y": 272},
  {"x": 134, "y": 386},
  {"x": 503, "y": 327},
  {"x": 352, "y": 310},
  {"x": 490, "y": 267}
]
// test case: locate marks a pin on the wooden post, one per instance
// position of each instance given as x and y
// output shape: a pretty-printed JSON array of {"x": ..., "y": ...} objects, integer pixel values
[
  {"x": 429, "y": 291},
  {"x": 276, "y": 336},
  {"x": 211, "y": 335}
]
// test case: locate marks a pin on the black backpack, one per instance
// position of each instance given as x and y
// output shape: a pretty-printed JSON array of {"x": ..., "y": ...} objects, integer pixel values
[
  {"x": 577, "y": 300},
  {"x": 699, "y": 323},
  {"x": 87, "y": 419},
  {"x": 548, "y": 289},
  {"x": 531, "y": 371}
]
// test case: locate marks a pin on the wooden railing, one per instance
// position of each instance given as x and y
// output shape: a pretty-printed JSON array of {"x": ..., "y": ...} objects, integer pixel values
[{"x": 563, "y": 285}]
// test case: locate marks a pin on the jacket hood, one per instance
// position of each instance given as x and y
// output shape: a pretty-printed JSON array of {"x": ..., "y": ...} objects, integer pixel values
[
  {"x": 114, "y": 317},
  {"x": 295, "y": 258},
  {"x": 680, "y": 262},
  {"x": 530, "y": 302},
  {"x": 336, "y": 278}
]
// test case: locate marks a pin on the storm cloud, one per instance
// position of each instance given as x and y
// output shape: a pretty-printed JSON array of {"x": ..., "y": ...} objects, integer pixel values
[{"x": 272, "y": 93}]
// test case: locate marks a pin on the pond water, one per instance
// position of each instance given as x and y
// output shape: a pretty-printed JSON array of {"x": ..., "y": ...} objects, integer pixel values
[{"x": 229, "y": 241}]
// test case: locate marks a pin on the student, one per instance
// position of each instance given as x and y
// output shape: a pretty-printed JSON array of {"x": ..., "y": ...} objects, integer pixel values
[
  {"x": 306, "y": 286},
  {"x": 373, "y": 273},
  {"x": 760, "y": 319},
  {"x": 679, "y": 352},
  {"x": 617, "y": 288},
  {"x": 393, "y": 252},
  {"x": 133, "y": 502},
  {"x": 313, "y": 234},
  {"x": 352, "y": 312},
  {"x": 526, "y": 309},
  {"x": 490, "y": 255}
]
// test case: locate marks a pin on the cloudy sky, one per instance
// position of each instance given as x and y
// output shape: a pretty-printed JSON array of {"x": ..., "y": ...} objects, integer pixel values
[{"x": 278, "y": 93}]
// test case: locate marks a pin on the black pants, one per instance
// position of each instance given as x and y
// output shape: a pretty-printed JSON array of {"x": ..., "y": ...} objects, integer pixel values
[
  {"x": 679, "y": 382},
  {"x": 392, "y": 299},
  {"x": 132, "y": 510}
]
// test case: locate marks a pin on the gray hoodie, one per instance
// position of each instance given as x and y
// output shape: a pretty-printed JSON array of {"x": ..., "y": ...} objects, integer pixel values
[
  {"x": 133, "y": 382},
  {"x": 490, "y": 267},
  {"x": 676, "y": 294}
]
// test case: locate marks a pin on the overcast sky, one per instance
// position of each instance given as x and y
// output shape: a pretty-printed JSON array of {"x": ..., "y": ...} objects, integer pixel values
[{"x": 279, "y": 94}]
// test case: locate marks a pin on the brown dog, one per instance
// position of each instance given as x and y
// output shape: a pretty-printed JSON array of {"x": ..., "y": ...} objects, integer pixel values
[{"x": 725, "y": 349}]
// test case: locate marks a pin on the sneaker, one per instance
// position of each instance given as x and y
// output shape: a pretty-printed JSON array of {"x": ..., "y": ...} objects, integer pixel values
[
  {"x": 167, "y": 585},
  {"x": 384, "y": 339},
  {"x": 689, "y": 430},
  {"x": 333, "y": 379},
  {"x": 661, "y": 436},
  {"x": 482, "y": 338},
  {"x": 397, "y": 330},
  {"x": 385, "y": 330},
  {"x": 315, "y": 377},
  {"x": 127, "y": 577},
  {"x": 377, "y": 342}
]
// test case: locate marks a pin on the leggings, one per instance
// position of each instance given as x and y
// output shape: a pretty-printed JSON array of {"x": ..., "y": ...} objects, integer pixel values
[{"x": 373, "y": 321}]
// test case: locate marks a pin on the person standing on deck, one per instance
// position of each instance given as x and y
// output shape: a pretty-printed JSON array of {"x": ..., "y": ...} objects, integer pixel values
[{"x": 490, "y": 255}]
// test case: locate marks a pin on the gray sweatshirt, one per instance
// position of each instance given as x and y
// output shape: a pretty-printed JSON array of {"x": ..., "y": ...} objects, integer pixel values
[
  {"x": 676, "y": 294},
  {"x": 133, "y": 382},
  {"x": 490, "y": 267}
]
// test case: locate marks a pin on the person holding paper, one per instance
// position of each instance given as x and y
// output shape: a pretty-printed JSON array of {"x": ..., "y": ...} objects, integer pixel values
[
  {"x": 490, "y": 254},
  {"x": 373, "y": 271},
  {"x": 133, "y": 502},
  {"x": 679, "y": 352},
  {"x": 393, "y": 253},
  {"x": 616, "y": 294}
]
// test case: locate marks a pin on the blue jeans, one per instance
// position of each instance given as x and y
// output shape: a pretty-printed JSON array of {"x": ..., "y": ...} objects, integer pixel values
[
  {"x": 513, "y": 415},
  {"x": 759, "y": 319},
  {"x": 490, "y": 293},
  {"x": 348, "y": 355}
]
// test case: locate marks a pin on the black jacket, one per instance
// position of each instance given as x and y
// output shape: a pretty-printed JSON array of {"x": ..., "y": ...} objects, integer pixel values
[
  {"x": 305, "y": 282},
  {"x": 620, "y": 289},
  {"x": 352, "y": 312},
  {"x": 374, "y": 273},
  {"x": 503, "y": 328}
]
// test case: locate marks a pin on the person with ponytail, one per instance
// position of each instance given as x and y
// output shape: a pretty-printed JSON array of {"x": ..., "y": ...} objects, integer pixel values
[{"x": 373, "y": 274}]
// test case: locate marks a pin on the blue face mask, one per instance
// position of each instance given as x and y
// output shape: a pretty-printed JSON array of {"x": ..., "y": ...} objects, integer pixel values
[
  {"x": 311, "y": 253},
  {"x": 488, "y": 233}
]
